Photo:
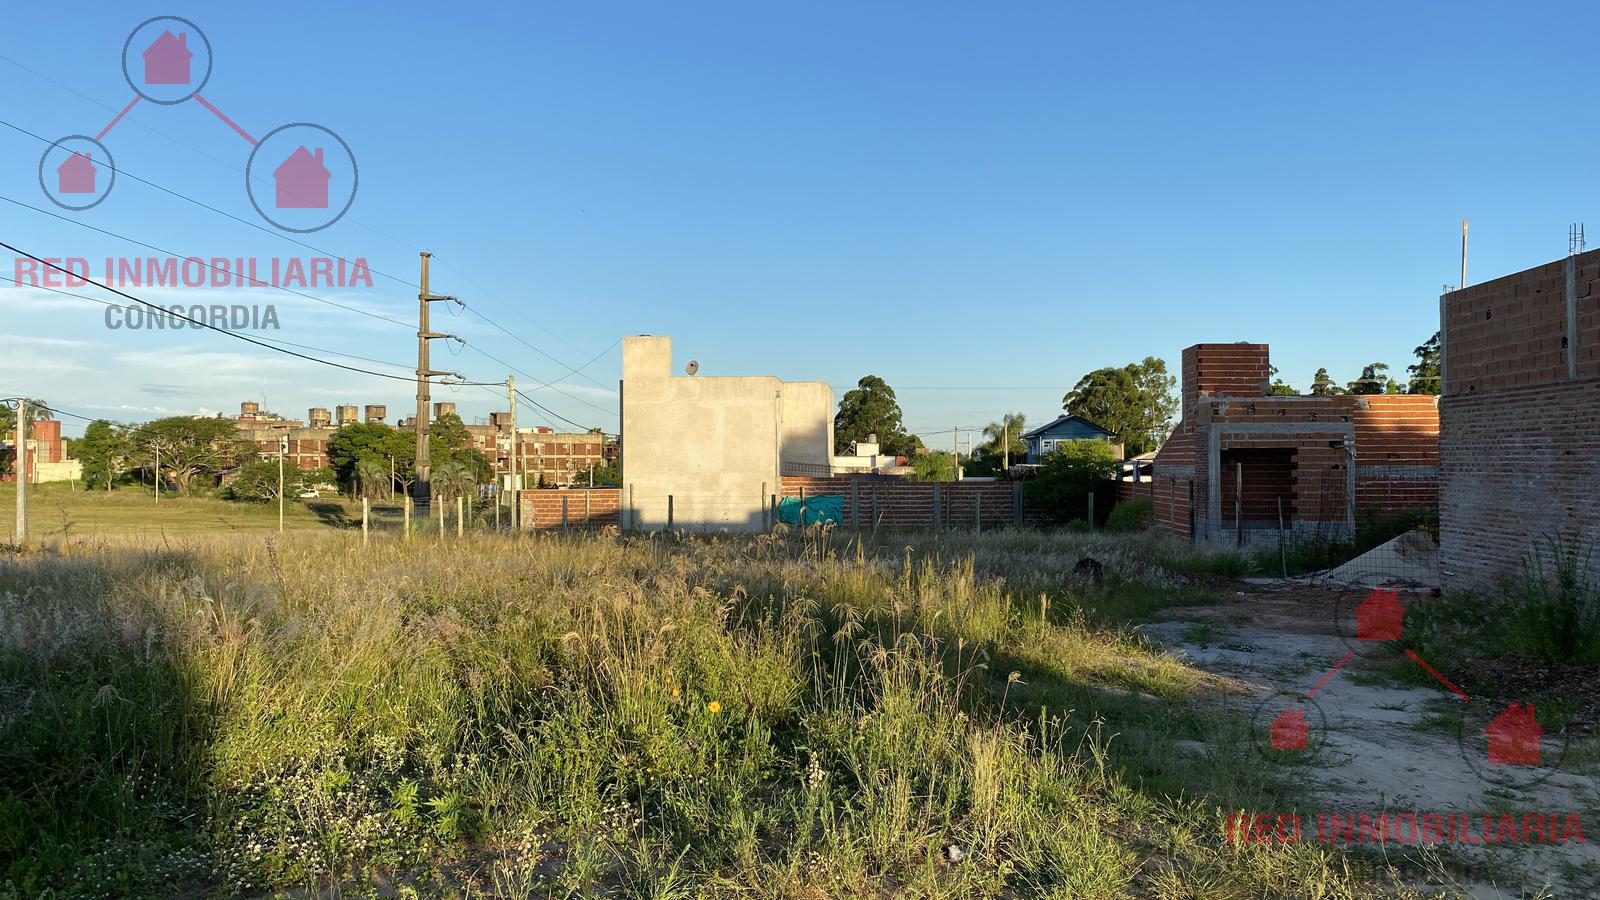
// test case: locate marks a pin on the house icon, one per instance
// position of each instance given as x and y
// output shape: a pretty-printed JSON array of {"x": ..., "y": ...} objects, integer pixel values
[
  {"x": 1380, "y": 616},
  {"x": 1289, "y": 730},
  {"x": 1514, "y": 737},
  {"x": 302, "y": 180},
  {"x": 166, "y": 60},
  {"x": 76, "y": 175}
]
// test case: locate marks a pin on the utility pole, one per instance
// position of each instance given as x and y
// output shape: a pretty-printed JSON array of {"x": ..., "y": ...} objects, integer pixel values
[
  {"x": 1463, "y": 254},
  {"x": 420, "y": 487},
  {"x": 283, "y": 450},
  {"x": 22, "y": 470},
  {"x": 516, "y": 500},
  {"x": 955, "y": 454}
]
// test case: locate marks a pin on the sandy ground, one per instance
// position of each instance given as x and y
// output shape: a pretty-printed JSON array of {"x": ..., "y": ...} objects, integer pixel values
[{"x": 1380, "y": 745}]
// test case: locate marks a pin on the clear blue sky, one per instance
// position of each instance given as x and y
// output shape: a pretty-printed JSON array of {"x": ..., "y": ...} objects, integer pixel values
[{"x": 994, "y": 198}]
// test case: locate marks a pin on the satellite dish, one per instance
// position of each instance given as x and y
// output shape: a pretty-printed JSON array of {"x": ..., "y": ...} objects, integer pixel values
[{"x": 692, "y": 367}]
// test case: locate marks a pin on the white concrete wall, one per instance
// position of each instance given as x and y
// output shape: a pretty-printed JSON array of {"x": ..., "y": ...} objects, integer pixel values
[{"x": 714, "y": 443}]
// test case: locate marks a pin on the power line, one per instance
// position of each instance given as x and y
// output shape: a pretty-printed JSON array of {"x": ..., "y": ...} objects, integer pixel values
[
  {"x": 253, "y": 281},
  {"x": 203, "y": 324},
  {"x": 570, "y": 370},
  {"x": 108, "y": 303}
]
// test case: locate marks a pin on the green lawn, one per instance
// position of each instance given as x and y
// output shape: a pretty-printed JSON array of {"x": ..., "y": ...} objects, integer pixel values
[{"x": 57, "y": 511}]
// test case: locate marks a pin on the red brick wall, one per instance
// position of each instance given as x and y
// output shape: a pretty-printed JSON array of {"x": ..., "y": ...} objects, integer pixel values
[
  {"x": 1520, "y": 437},
  {"x": 585, "y": 508},
  {"x": 897, "y": 502},
  {"x": 1215, "y": 370},
  {"x": 1225, "y": 391}
]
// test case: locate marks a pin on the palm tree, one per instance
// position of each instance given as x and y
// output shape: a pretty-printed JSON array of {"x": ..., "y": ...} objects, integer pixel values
[
  {"x": 372, "y": 474},
  {"x": 1005, "y": 436},
  {"x": 452, "y": 479}
]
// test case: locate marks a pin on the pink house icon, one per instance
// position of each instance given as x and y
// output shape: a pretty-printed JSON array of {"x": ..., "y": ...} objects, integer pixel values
[
  {"x": 166, "y": 61},
  {"x": 76, "y": 175},
  {"x": 302, "y": 180}
]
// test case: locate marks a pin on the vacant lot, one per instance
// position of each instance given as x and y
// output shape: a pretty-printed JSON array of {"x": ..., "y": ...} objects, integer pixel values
[
  {"x": 790, "y": 715},
  {"x": 60, "y": 512}
]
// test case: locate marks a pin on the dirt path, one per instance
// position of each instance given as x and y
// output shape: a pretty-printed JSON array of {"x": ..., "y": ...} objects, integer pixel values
[{"x": 1377, "y": 742}]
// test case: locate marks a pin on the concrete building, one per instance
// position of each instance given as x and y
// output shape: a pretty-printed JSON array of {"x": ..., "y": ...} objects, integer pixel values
[
  {"x": 1520, "y": 443},
  {"x": 548, "y": 458},
  {"x": 46, "y": 459},
  {"x": 1240, "y": 457},
  {"x": 718, "y": 446}
]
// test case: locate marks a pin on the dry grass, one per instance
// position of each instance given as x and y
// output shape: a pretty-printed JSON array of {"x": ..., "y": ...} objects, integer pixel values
[{"x": 771, "y": 716}]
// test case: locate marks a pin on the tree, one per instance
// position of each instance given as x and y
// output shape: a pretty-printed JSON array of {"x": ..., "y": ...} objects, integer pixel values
[
  {"x": 37, "y": 411},
  {"x": 1134, "y": 403},
  {"x": 870, "y": 408},
  {"x": 104, "y": 451},
  {"x": 374, "y": 441},
  {"x": 1323, "y": 385},
  {"x": 1069, "y": 473},
  {"x": 1279, "y": 388},
  {"x": 1425, "y": 373},
  {"x": 451, "y": 479},
  {"x": 190, "y": 446},
  {"x": 447, "y": 433},
  {"x": 372, "y": 476},
  {"x": 935, "y": 465},
  {"x": 1004, "y": 438},
  {"x": 1372, "y": 379}
]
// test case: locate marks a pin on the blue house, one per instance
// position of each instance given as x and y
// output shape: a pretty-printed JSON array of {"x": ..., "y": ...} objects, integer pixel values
[{"x": 1045, "y": 438}]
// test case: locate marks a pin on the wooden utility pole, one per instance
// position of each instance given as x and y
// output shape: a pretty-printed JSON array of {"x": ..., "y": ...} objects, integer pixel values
[
  {"x": 516, "y": 499},
  {"x": 420, "y": 487},
  {"x": 283, "y": 450},
  {"x": 22, "y": 470}
]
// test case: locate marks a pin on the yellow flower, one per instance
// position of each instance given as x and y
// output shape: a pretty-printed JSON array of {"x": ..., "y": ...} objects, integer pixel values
[
  {"x": 714, "y": 707},
  {"x": 674, "y": 693}
]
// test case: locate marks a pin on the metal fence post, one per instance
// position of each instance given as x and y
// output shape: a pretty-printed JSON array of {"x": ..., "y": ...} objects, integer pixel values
[
  {"x": 461, "y": 522},
  {"x": 977, "y": 512},
  {"x": 1091, "y": 509},
  {"x": 405, "y": 522},
  {"x": 563, "y": 512},
  {"x": 366, "y": 511},
  {"x": 936, "y": 517},
  {"x": 1016, "y": 501},
  {"x": 669, "y": 512},
  {"x": 855, "y": 504}
]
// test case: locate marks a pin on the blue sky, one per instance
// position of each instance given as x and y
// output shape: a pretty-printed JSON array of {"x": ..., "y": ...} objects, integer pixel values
[{"x": 979, "y": 204}]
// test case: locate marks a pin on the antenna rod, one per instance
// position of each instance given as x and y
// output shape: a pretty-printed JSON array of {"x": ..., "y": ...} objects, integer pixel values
[{"x": 1463, "y": 254}]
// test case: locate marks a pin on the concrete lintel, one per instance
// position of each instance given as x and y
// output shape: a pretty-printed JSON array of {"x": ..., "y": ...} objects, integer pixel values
[
  {"x": 1285, "y": 427},
  {"x": 1411, "y": 471}
]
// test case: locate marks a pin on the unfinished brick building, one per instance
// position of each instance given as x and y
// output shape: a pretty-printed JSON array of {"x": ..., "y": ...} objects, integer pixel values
[
  {"x": 1241, "y": 458},
  {"x": 1520, "y": 447}
]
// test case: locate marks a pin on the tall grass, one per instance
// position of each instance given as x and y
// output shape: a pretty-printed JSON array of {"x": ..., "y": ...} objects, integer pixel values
[{"x": 787, "y": 715}]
